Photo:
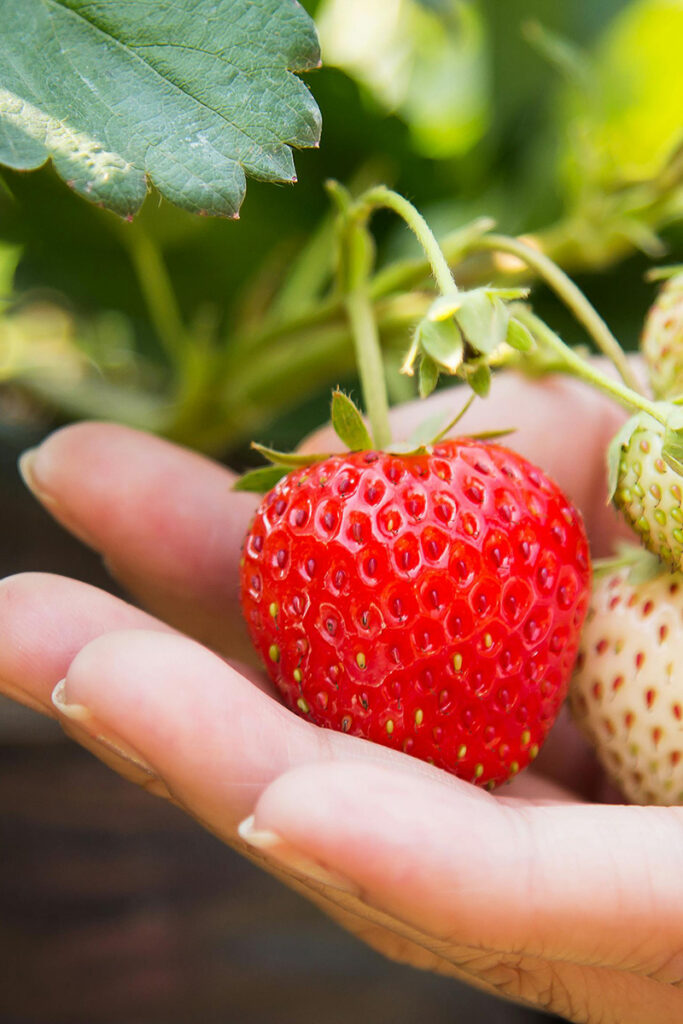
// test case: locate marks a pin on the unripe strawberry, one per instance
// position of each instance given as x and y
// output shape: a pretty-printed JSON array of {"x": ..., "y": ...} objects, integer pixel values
[
  {"x": 662, "y": 340},
  {"x": 627, "y": 690},
  {"x": 646, "y": 487}
]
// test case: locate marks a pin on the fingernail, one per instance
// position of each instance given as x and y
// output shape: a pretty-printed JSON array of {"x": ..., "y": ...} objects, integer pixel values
[
  {"x": 26, "y": 466},
  {"x": 83, "y": 717},
  {"x": 274, "y": 847}
]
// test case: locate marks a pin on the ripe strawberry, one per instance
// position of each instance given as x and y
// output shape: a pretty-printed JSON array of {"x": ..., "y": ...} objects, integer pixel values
[
  {"x": 431, "y": 602},
  {"x": 647, "y": 489},
  {"x": 662, "y": 340},
  {"x": 627, "y": 691}
]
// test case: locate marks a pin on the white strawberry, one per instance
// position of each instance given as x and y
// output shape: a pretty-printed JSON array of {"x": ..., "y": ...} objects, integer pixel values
[{"x": 627, "y": 691}]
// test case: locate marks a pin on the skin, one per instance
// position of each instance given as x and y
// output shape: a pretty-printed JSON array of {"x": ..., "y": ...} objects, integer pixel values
[{"x": 542, "y": 893}]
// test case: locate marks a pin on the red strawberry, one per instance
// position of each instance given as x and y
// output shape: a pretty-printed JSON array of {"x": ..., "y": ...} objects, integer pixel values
[{"x": 431, "y": 602}]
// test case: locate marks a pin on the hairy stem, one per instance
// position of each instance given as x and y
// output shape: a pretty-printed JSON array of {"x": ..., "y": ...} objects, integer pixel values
[
  {"x": 157, "y": 290},
  {"x": 381, "y": 196},
  {"x": 632, "y": 400},
  {"x": 370, "y": 365},
  {"x": 571, "y": 295}
]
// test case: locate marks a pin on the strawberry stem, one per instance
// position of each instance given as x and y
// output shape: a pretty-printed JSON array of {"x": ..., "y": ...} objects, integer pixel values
[
  {"x": 587, "y": 371},
  {"x": 570, "y": 294},
  {"x": 156, "y": 287},
  {"x": 355, "y": 260},
  {"x": 368, "y": 351},
  {"x": 381, "y": 196}
]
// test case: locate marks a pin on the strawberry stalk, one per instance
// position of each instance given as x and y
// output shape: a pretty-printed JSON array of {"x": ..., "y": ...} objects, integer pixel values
[
  {"x": 579, "y": 367},
  {"x": 571, "y": 295},
  {"x": 537, "y": 261},
  {"x": 369, "y": 362},
  {"x": 381, "y": 196},
  {"x": 355, "y": 259},
  {"x": 627, "y": 394}
]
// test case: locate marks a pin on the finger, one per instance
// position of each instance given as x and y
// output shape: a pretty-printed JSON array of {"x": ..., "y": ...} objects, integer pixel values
[
  {"x": 594, "y": 885},
  {"x": 165, "y": 520},
  {"x": 45, "y": 620},
  {"x": 560, "y": 424},
  {"x": 213, "y": 738}
]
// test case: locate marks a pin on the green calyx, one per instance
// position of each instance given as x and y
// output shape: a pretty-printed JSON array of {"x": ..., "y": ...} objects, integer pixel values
[
  {"x": 642, "y": 565},
  {"x": 460, "y": 333},
  {"x": 350, "y": 428}
]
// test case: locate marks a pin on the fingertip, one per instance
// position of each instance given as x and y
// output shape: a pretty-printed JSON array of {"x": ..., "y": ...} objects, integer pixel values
[{"x": 125, "y": 664}]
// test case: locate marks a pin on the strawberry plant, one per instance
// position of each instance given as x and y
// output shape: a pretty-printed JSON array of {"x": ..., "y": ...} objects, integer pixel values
[
  {"x": 167, "y": 322},
  {"x": 190, "y": 99},
  {"x": 428, "y": 596}
]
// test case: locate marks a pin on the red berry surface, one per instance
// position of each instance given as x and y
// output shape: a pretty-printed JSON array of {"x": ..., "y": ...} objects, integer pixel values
[{"x": 429, "y": 602}]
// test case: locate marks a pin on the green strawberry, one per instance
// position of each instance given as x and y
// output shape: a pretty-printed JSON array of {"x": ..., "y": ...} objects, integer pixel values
[
  {"x": 646, "y": 484},
  {"x": 627, "y": 691},
  {"x": 662, "y": 340}
]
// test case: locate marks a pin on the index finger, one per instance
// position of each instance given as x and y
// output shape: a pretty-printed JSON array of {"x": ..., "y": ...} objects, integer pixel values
[{"x": 165, "y": 520}]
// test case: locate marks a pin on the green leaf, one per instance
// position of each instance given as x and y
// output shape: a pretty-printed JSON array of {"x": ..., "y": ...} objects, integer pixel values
[
  {"x": 479, "y": 379},
  {"x": 645, "y": 567},
  {"x": 493, "y": 435},
  {"x": 406, "y": 448},
  {"x": 443, "y": 307},
  {"x": 518, "y": 337},
  {"x": 508, "y": 294},
  {"x": 348, "y": 423},
  {"x": 672, "y": 450},
  {"x": 189, "y": 96},
  {"x": 292, "y": 459},
  {"x": 429, "y": 376},
  {"x": 499, "y": 324},
  {"x": 480, "y": 321},
  {"x": 260, "y": 480},
  {"x": 436, "y": 428},
  {"x": 641, "y": 563},
  {"x": 442, "y": 340}
]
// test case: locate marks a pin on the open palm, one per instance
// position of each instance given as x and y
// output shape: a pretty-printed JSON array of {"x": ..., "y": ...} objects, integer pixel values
[{"x": 540, "y": 893}]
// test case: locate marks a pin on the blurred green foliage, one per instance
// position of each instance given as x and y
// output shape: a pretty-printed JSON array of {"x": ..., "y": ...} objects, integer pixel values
[{"x": 565, "y": 120}]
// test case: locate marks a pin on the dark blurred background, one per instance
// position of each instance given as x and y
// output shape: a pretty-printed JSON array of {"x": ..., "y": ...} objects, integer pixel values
[{"x": 561, "y": 120}]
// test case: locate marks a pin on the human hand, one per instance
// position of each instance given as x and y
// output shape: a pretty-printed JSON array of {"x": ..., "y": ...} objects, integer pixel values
[{"x": 534, "y": 893}]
